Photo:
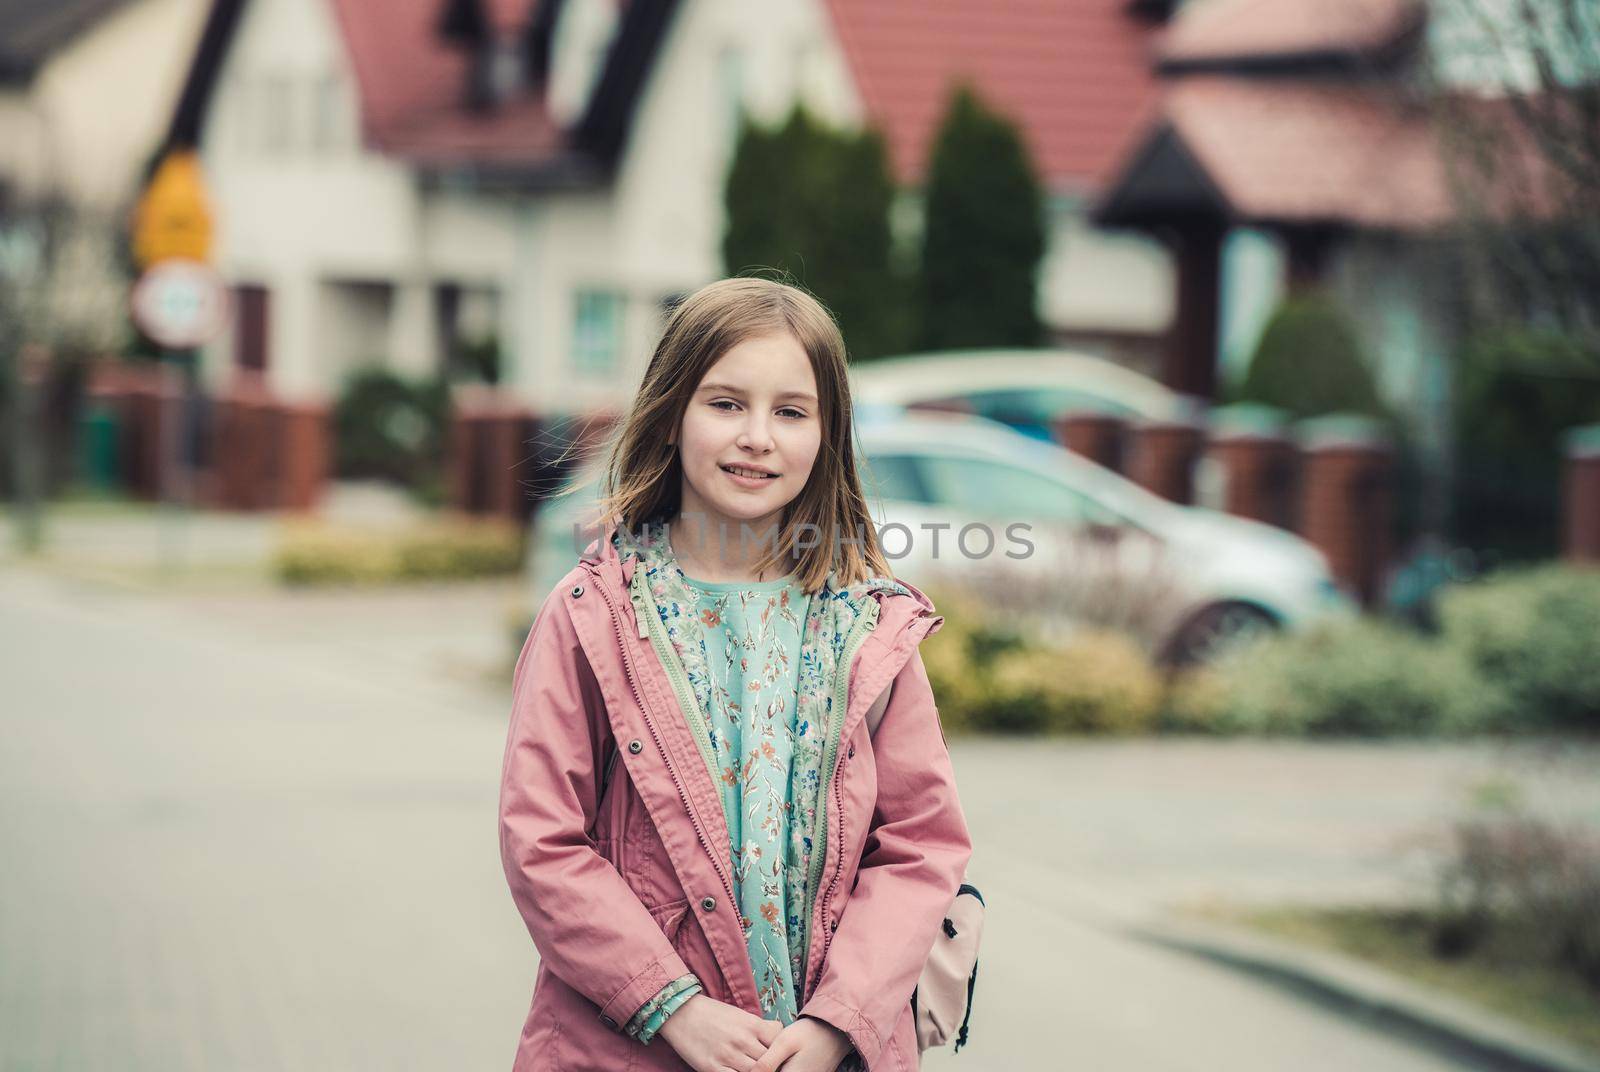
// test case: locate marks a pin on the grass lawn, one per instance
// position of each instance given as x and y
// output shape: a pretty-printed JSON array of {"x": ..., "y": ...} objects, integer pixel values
[{"x": 1542, "y": 996}]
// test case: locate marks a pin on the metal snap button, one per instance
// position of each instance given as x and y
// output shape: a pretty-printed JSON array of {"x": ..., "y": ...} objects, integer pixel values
[
  {"x": 635, "y": 747},
  {"x": 577, "y": 590},
  {"x": 708, "y": 903},
  {"x": 851, "y": 754},
  {"x": 608, "y": 1021},
  {"x": 834, "y": 925}
]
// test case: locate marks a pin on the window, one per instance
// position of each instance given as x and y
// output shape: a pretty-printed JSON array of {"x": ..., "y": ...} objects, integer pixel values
[
  {"x": 276, "y": 114},
  {"x": 329, "y": 113},
  {"x": 729, "y": 90},
  {"x": 999, "y": 492},
  {"x": 893, "y": 478},
  {"x": 597, "y": 331},
  {"x": 250, "y": 326}
]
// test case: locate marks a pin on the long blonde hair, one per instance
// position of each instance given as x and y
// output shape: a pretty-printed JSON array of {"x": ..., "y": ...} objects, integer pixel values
[{"x": 643, "y": 476}]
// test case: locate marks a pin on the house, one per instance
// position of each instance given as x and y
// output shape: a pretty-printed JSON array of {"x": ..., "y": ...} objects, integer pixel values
[
  {"x": 396, "y": 181},
  {"x": 85, "y": 89},
  {"x": 1294, "y": 144}
]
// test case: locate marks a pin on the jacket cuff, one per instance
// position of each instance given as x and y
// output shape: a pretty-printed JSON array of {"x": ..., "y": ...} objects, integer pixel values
[
  {"x": 641, "y": 988},
  {"x": 849, "y": 1020}
]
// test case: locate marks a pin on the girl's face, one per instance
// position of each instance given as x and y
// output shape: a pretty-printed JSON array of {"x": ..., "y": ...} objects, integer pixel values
[{"x": 754, "y": 410}]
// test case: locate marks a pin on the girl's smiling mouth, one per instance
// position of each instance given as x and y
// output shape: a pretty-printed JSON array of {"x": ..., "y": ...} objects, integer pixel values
[{"x": 749, "y": 478}]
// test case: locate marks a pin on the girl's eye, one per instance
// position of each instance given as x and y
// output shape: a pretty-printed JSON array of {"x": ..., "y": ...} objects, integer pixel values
[{"x": 788, "y": 411}]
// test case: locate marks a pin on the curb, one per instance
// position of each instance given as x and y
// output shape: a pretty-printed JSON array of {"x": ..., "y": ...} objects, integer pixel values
[{"x": 1366, "y": 993}]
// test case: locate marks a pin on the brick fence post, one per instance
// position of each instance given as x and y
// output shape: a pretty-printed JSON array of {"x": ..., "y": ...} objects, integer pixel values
[
  {"x": 1162, "y": 455},
  {"x": 1254, "y": 463},
  {"x": 507, "y": 450},
  {"x": 1347, "y": 499},
  {"x": 303, "y": 449},
  {"x": 1580, "y": 495},
  {"x": 1096, "y": 436},
  {"x": 245, "y": 438}
]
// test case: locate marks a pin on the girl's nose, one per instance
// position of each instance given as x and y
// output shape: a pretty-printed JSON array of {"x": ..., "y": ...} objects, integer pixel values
[{"x": 756, "y": 435}]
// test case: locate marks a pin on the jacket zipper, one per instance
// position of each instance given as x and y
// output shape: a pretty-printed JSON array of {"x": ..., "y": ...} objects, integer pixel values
[
  {"x": 853, "y": 642},
  {"x": 627, "y": 666}
]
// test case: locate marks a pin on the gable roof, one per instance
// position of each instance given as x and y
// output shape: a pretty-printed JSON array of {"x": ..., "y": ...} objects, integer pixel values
[
  {"x": 410, "y": 83},
  {"x": 1285, "y": 152},
  {"x": 30, "y": 30},
  {"x": 1073, "y": 74}
]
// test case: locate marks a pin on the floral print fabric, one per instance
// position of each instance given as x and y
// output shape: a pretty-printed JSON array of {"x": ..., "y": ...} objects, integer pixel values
[{"x": 761, "y": 661}]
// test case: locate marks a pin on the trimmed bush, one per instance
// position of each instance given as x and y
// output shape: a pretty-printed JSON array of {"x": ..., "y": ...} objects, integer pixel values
[
  {"x": 1533, "y": 631},
  {"x": 987, "y": 676},
  {"x": 1100, "y": 683},
  {"x": 316, "y": 553},
  {"x": 1309, "y": 362}
]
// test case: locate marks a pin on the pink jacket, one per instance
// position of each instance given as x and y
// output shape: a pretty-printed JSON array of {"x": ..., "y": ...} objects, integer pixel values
[{"x": 623, "y": 901}]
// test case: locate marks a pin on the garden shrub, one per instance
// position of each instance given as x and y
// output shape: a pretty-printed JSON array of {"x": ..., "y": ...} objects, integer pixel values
[
  {"x": 1526, "y": 881},
  {"x": 391, "y": 428},
  {"x": 1533, "y": 631},
  {"x": 1518, "y": 390},
  {"x": 986, "y": 675},
  {"x": 1101, "y": 682},
  {"x": 1362, "y": 677},
  {"x": 318, "y": 553},
  {"x": 1308, "y": 362}
]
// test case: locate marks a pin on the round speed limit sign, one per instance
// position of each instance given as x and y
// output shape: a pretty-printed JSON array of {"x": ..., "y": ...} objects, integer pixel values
[{"x": 180, "y": 304}]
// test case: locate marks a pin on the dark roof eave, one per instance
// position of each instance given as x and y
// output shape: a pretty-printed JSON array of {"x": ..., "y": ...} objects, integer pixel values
[{"x": 1161, "y": 183}]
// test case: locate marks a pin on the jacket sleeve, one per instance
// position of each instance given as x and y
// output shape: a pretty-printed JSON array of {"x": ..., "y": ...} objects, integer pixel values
[
  {"x": 588, "y": 925},
  {"x": 912, "y": 864}
]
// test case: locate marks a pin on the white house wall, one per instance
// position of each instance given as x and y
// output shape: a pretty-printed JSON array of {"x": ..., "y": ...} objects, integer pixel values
[
  {"x": 303, "y": 207},
  {"x": 99, "y": 106},
  {"x": 1113, "y": 281}
]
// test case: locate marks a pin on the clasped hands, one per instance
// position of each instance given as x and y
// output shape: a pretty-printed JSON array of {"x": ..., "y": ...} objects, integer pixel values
[{"x": 713, "y": 1036}]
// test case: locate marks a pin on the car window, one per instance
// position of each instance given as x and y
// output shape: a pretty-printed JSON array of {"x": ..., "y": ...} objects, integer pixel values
[
  {"x": 1001, "y": 492},
  {"x": 893, "y": 477},
  {"x": 1040, "y": 406}
]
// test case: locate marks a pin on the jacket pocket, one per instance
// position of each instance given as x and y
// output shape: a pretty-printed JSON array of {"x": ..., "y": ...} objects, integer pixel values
[{"x": 669, "y": 917}]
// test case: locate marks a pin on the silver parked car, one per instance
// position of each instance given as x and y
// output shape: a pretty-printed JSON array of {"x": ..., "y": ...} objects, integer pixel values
[
  {"x": 1039, "y": 530},
  {"x": 1027, "y": 390}
]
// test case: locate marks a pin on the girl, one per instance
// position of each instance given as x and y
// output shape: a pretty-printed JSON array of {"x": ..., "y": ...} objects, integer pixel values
[{"x": 704, "y": 839}]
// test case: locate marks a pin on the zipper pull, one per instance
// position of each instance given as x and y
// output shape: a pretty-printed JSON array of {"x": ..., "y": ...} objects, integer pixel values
[{"x": 644, "y": 630}]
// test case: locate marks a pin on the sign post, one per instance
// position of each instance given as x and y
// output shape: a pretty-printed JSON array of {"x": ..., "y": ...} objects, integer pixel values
[{"x": 180, "y": 303}]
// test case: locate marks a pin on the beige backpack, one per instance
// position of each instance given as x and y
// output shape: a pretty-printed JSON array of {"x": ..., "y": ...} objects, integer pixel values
[{"x": 941, "y": 1004}]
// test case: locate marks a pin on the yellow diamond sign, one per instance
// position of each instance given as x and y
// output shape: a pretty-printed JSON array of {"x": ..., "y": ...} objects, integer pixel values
[{"x": 173, "y": 218}]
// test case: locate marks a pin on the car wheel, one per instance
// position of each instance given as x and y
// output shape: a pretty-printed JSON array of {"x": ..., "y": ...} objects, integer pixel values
[{"x": 1218, "y": 628}]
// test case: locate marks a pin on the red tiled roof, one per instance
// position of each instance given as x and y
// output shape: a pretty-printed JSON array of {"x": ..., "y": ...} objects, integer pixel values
[
  {"x": 411, "y": 87},
  {"x": 1210, "y": 30},
  {"x": 1074, "y": 74},
  {"x": 1304, "y": 151}
]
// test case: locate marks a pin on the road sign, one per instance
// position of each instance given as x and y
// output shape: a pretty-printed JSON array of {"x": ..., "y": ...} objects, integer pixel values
[
  {"x": 180, "y": 304},
  {"x": 173, "y": 217}
]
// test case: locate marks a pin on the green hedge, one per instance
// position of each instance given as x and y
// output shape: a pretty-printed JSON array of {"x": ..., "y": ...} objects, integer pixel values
[
  {"x": 1535, "y": 633},
  {"x": 1514, "y": 654}
]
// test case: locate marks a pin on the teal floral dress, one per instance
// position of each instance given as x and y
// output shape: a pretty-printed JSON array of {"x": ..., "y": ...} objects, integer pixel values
[{"x": 759, "y": 659}]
